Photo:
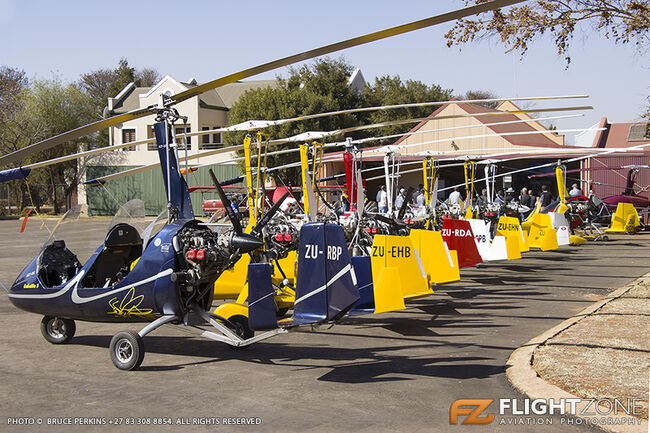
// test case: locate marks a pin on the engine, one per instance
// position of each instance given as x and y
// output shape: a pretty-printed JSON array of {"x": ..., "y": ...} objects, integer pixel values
[
  {"x": 205, "y": 254},
  {"x": 281, "y": 237}
]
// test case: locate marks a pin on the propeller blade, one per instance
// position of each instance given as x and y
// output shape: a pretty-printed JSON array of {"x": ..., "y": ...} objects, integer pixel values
[
  {"x": 390, "y": 221},
  {"x": 270, "y": 214},
  {"x": 227, "y": 205}
]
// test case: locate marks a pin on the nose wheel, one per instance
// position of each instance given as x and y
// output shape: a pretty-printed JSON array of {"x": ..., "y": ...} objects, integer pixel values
[
  {"x": 57, "y": 330},
  {"x": 127, "y": 350}
]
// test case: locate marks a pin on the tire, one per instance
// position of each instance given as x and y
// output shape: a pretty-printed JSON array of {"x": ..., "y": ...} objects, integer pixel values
[
  {"x": 57, "y": 330},
  {"x": 127, "y": 350},
  {"x": 242, "y": 329}
]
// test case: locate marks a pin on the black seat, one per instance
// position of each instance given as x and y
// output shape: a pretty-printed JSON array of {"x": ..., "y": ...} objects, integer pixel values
[
  {"x": 122, "y": 247},
  {"x": 57, "y": 264}
]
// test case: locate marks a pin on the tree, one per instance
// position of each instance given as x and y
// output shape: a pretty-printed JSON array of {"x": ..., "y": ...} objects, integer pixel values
[
  {"x": 624, "y": 21},
  {"x": 316, "y": 88},
  {"x": 13, "y": 88},
  {"x": 52, "y": 107},
  {"x": 102, "y": 84},
  {"x": 388, "y": 90},
  {"x": 481, "y": 94},
  {"x": 321, "y": 87}
]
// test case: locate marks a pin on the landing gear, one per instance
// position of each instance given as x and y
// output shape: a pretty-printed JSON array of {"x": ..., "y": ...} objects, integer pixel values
[
  {"x": 127, "y": 350},
  {"x": 242, "y": 329},
  {"x": 57, "y": 330}
]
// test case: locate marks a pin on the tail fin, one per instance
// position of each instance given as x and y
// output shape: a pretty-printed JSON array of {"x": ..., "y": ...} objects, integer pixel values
[
  {"x": 458, "y": 236},
  {"x": 624, "y": 220},
  {"x": 363, "y": 271},
  {"x": 261, "y": 305},
  {"x": 326, "y": 286}
]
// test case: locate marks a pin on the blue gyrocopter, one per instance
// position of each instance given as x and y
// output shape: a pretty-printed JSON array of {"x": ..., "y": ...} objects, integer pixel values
[{"x": 168, "y": 277}]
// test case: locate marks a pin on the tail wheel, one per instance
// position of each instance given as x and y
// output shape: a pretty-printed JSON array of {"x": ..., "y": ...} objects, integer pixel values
[
  {"x": 127, "y": 350},
  {"x": 57, "y": 330}
]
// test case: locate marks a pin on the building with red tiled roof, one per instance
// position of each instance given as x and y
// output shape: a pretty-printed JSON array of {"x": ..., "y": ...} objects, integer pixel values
[
  {"x": 608, "y": 173},
  {"x": 456, "y": 130}
]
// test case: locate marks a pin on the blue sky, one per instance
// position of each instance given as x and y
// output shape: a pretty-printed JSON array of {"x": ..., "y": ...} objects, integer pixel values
[{"x": 209, "y": 39}]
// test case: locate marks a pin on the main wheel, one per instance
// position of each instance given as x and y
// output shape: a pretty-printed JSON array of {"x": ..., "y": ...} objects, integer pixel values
[
  {"x": 242, "y": 329},
  {"x": 127, "y": 350},
  {"x": 57, "y": 330}
]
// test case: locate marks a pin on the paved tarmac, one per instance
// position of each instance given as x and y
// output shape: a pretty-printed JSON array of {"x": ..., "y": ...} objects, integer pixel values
[{"x": 389, "y": 372}]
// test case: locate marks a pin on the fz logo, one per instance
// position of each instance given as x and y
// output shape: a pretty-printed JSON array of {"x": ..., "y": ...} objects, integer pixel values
[{"x": 472, "y": 408}]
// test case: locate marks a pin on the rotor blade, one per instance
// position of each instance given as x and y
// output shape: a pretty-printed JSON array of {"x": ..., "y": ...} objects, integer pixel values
[
  {"x": 102, "y": 179},
  {"x": 21, "y": 154},
  {"x": 360, "y": 40},
  {"x": 8, "y": 174},
  {"x": 270, "y": 214},
  {"x": 306, "y": 136},
  {"x": 260, "y": 124},
  {"x": 599, "y": 152},
  {"x": 317, "y": 135},
  {"x": 226, "y": 204},
  {"x": 393, "y": 148}
]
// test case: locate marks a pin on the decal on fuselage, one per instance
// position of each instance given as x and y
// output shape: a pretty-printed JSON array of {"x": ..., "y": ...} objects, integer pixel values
[
  {"x": 507, "y": 227},
  {"x": 312, "y": 251},
  {"x": 394, "y": 251},
  {"x": 129, "y": 306}
]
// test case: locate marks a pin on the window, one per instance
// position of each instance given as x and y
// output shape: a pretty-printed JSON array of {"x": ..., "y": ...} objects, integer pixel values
[
  {"x": 128, "y": 136},
  {"x": 210, "y": 141},
  {"x": 205, "y": 139}
]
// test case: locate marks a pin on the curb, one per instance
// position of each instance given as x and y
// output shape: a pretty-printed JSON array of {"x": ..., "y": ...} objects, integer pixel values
[{"x": 522, "y": 375}]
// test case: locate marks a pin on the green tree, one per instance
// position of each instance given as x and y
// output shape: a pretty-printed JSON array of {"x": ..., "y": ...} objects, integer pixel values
[
  {"x": 102, "y": 84},
  {"x": 52, "y": 107},
  {"x": 481, "y": 94},
  {"x": 13, "y": 85},
  {"x": 624, "y": 21},
  {"x": 388, "y": 90},
  {"x": 319, "y": 87}
]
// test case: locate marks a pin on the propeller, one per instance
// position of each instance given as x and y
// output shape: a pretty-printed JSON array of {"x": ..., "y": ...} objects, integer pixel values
[
  {"x": 243, "y": 242},
  {"x": 267, "y": 216}
]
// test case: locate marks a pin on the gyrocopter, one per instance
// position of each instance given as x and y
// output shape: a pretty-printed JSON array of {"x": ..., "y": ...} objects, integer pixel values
[{"x": 168, "y": 276}]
